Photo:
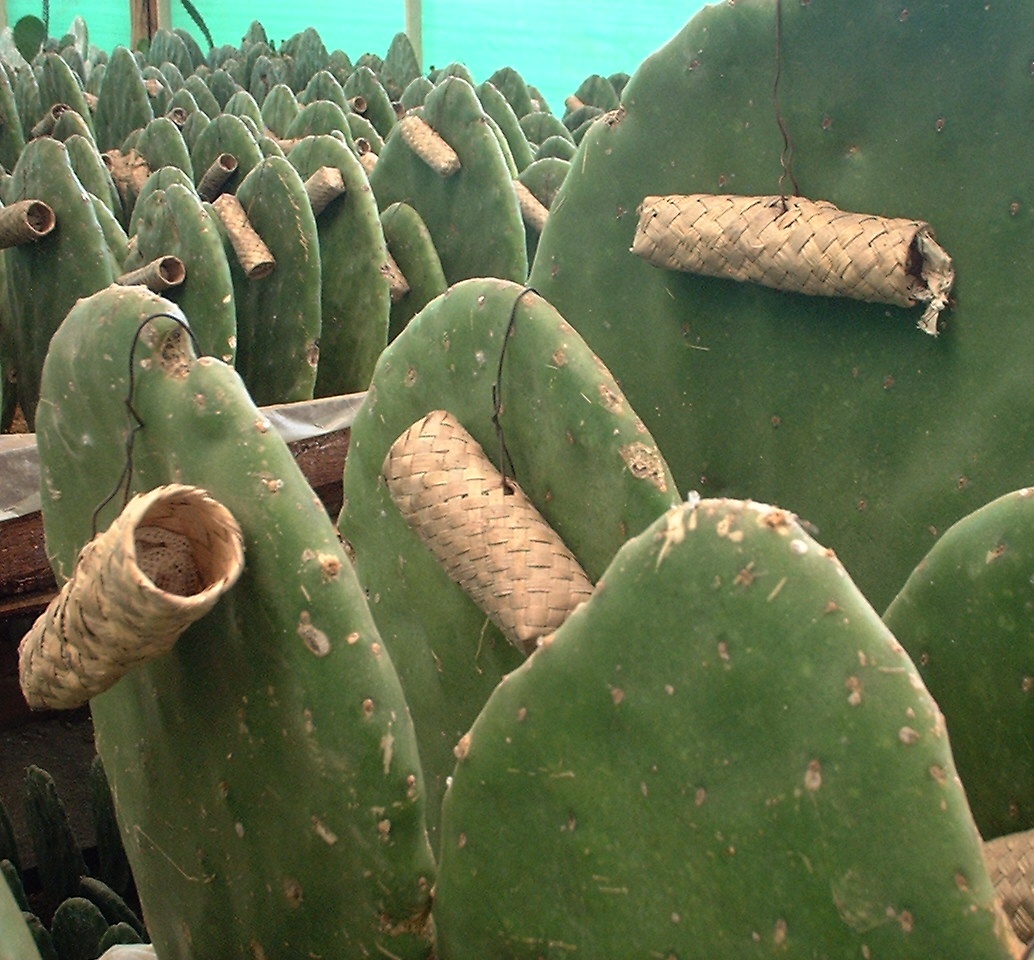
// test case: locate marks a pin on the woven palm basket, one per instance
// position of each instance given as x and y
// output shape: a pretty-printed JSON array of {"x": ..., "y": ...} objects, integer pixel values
[
  {"x": 483, "y": 530},
  {"x": 163, "y": 563},
  {"x": 798, "y": 245}
]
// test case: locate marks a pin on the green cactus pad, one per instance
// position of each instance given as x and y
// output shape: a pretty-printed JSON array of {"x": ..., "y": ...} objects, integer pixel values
[
  {"x": 122, "y": 104},
  {"x": 320, "y": 117},
  {"x": 400, "y": 67},
  {"x": 579, "y": 452},
  {"x": 416, "y": 93},
  {"x": 12, "y": 137},
  {"x": 354, "y": 293},
  {"x": 244, "y": 104},
  {"x": 160, "y": 179},
  {"x": 308, "y": 55},
  {"x": 512, "y": 86},
  {"x": 76, "y": 252},
  {"x": 169, "y": 46},
  {"x": 324, "y": 86},
  {"x": 161, "y": 144},
  {"x": 265, "y": 771},
  {"x": 724, "y": 753},
  {"x": 69, "y": 124},
  {"x": 59, "y": 84},
  {"x": 77, "y": 929},
  {"x": 539, "y": 126},
  {"x": 966, "y": 616},
  {"x": 279, "y": 108},
  {"x": 213, "y": 93},
  {"x": 882, "y": 436},
  {"x": 379, "y": 110},
  {"x": 225, "y": 134},
  {"x": 499, "y": 109},
  {"x": 473, "y": 214},
  {"x": 27, "y": 99},
  {"x": 59, "y": 859},
  {"x": 279, "y": 316},
  {"x": 173, "y": 221},
  {"x": 412, "y": 248},
  {"x": 157, "y": 88},
  {"x": 91, "y": 171}
]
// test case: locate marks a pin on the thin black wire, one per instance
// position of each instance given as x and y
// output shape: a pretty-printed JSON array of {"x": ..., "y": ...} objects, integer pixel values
[
  {"x": 506, "y": 467},
  {"x": 786, "y": 154},
  {"x": 138, "y": 423}
]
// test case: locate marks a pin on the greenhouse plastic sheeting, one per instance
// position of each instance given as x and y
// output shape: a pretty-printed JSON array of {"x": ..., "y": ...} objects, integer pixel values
[{"x": 553, "y": 44}]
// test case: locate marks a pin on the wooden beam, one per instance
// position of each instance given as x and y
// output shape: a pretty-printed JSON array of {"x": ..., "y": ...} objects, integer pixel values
[
  {"x": 415, "y": 29},
  {"x": 143, "y": 21}
]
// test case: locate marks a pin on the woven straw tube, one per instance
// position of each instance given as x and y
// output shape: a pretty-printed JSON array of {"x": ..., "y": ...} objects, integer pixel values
[
  {"x": 398, "y": 285},
  {"x": 325, "y": 185},
  {"x": 533, "y": 210},
  {"x": 1010, "y": 862},
  {"x": 214, "y": 178},
  {"x": 428, "y": 145},
  {"x": 164, "y": 562},
  {"x": 46, "y": 124},
  {"x": 25, "y": 221},
  {"x": 256, "y": 259},
  {"x": 161, "y": 274},
  {"x": 483, "y": 530},
  {"x": 800, "y": 245}
]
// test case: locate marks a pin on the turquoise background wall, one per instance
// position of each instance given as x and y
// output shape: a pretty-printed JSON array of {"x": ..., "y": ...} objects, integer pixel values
[{"x": 554, "y": 44}]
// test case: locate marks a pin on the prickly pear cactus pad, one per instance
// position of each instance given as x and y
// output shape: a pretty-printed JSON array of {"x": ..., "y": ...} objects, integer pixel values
[
  {"x": 579, "y": 453},
  {"x": 279, "y": 315},
  {"x": 172, "y": 220},
  {"x": 354, "y": 288},
  {"x": 76, "y": 252},
  {"x": 724, "y": 753},
  {"x": 265, "y": 771},
  {"x": 842, "y": 411},
  {"x": 472, "y": 213},
  {"x": 966, "y": 616}
]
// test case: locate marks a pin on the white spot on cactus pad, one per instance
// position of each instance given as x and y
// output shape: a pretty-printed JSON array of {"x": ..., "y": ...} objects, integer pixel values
[
  {"x": 387, "y": 751},
  {"x": 324, "y": 832},
  {"x": 314, "y": 638},
  {"x": 674, "y": 533},
  {"x": 726, "y": 528},
  {"x": 462, "y": 748},
  {"x": 813, "y": 776}
]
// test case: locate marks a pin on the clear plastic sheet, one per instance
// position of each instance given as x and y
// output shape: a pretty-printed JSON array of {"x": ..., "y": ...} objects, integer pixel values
[{"x": 19, "y": 459}]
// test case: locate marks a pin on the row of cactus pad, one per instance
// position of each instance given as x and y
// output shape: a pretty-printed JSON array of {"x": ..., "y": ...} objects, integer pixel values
[
  {"x": 727, "y": 705},
  {"x": 65, "y": 908},
  {"x": 124, "y": 166}
]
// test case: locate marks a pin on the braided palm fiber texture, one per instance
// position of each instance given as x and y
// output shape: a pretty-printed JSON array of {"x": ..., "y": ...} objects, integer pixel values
[
  {"x": 429, "y": 145},
  {"x": 484, "y": 530},
  {"x": 163, "y": 563},
  {"x": 1010, "y": 862},
  {"x": 800, "y": 245}
]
